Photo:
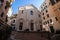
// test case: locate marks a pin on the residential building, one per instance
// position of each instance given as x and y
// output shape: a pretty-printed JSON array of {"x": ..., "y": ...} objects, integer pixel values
[
  {"x": 28, "y": 19},
  {"x": 50, "y": 12},
  {"x": 4, "y": 7}
]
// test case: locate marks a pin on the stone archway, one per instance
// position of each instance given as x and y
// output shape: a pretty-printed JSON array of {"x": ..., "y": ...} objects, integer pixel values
[
  {"x": 21, "y": 24},
  {"x": 31, "y": 25}
]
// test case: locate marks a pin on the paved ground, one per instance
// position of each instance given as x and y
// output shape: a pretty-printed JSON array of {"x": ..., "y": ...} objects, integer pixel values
[
  {"x": 12, "y": 37},
  {"x": 27, "y": 36}
]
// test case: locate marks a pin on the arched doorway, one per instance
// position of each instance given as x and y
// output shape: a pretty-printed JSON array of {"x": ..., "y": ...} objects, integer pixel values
[
  {"x": 21, "y": 26},
  {"x": 31, "y": 25}
]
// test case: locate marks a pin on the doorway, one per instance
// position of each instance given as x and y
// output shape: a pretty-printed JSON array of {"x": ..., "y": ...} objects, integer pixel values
[
  {"x": 32, "y": 26},
  {"x": 21, "y": 26},
  {"x": 51, "y": 29},
  {"x": 40, "y": 27}
]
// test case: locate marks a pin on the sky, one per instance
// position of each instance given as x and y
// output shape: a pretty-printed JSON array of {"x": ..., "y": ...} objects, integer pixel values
[{"x": 18, "y": 3}]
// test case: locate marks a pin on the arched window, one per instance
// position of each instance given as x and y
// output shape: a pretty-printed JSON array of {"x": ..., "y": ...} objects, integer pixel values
[
  {"x": 31, "y": 12},
  {"x": 22, "y": 11},
  {"x": 13, "y": 21},
  {"x": 5, "y": 7}
]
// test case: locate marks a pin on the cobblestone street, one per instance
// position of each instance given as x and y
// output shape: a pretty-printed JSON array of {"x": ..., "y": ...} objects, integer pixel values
[{"x": 28, "y": 36}]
